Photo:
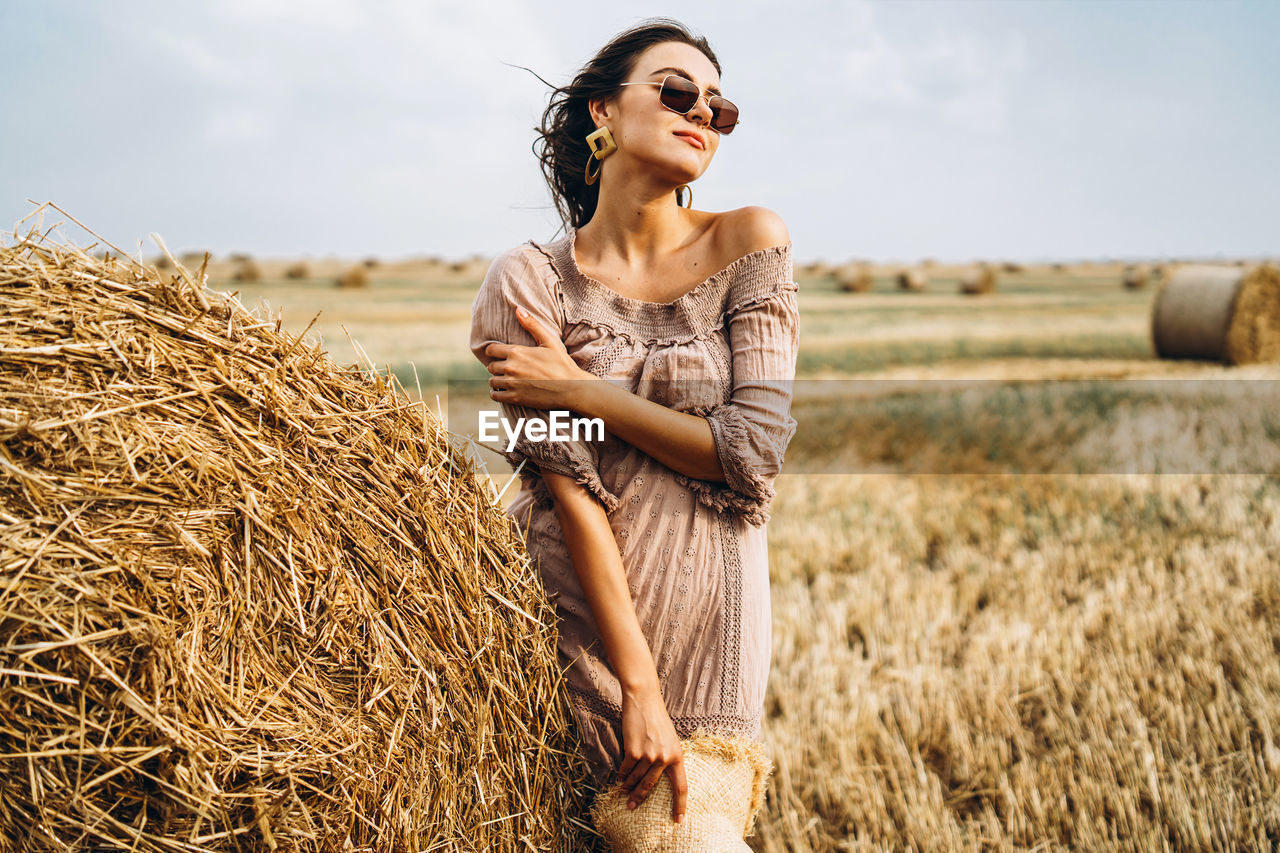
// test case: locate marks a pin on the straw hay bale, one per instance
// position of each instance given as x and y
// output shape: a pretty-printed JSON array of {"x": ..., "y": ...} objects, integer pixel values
[
  {"x": 353, "y": 277},
  {"x": 1220, "y": 313},
  {"x": 913, "y": 278},
  {"x": 297, "y": 269},
  {"x": 371, "y": 263},
  {"x": 251, "y": 600},
  {"x": 247, "y": 270},
  {"x": 854, "y": 277},
  {"x": 817, "y": 269},
  {"x": 1012, "y": 267},
  {"x": 980, "y": 279},
  {"x": 1134, "y": 278}
]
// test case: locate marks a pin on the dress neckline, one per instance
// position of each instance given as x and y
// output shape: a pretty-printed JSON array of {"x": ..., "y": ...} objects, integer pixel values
[
  {"x": 691, "y": 294},
  {"x": 694, "y": 314}
]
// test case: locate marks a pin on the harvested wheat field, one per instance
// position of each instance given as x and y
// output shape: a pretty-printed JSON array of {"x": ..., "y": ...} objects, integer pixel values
[
  {"x": 964, "y": 658},
  {"x": 1016, "y": 663},
  {"x": 251, "y": 600}
]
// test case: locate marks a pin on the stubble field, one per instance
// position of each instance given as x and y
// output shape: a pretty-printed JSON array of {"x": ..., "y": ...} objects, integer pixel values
[{"x": 1033, "y": 601}]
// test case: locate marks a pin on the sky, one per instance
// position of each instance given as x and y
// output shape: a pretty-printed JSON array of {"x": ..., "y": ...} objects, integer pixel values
[{"x": 893, "y": 131}]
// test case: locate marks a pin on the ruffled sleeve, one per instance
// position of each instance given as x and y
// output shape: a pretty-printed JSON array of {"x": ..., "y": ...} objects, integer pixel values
[
  {"x": 753, "y": 429},
  {"x": 520, "y": 277}
]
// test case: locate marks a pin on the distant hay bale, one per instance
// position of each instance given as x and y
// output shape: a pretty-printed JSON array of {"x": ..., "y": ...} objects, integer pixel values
[
  {"x": 854, "y": 277},
  {"x": 239, "y": 257},
  {"x": 353, "y": 277},
  {"x": 912, "y": 278},
  {"x": 251, "y": 600},
  {"x": 247, "y": 270},
  {"x": 297, "y": 269},
  {"x": 162, "y": 262},
  {"x": 1219, "y": 313},
  {"x": 371, "y": 263},
  {"x": 192, "y": 260},
  {"x": 1011, "y": 267},
  {"x": 817, "y": 269},
  {"x": 1058, "y": 266},
  {"x": 1134, "y": 278},
  {"x": 979, "y": 280}
]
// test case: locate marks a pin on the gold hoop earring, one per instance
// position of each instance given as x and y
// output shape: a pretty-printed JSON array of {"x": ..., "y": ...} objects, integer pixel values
[
  {"x": 681, "y": 192},
  {"x": 601, "y": 143}
]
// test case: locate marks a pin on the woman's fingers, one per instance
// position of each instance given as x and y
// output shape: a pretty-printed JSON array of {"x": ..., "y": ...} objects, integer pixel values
[
  {"x": 637, "y": 774},
  {"x": 680, "y": 787},
  {"x": 646, "y": 784}
]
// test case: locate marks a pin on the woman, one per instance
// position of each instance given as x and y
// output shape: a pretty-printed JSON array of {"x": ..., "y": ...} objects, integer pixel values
[{"x": 678, "y": 328}]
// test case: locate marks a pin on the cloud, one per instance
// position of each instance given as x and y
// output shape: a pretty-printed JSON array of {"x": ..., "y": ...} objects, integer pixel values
[{"x": 958, "y": 75}]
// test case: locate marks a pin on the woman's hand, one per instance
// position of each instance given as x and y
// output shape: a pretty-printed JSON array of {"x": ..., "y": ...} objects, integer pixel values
[
  {"x": 541, "y": 377},
  {"x": 650, "y": 747}
]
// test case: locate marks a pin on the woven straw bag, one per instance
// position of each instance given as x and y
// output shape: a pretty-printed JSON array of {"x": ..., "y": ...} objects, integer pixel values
[{"x": 726, "y": 788}]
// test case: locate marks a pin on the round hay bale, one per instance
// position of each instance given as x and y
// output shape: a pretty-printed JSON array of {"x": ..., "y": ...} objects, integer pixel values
[
  {"x": 371, "y": 263},
  {"x": 247, "y": 270},
  {"x": 979, "y": 280},
  {"x": 1134, "y": 278},
  {"x": 817, "y": 269},
  {"x": 1219, "y": 313},
  {"x": 192, "y": 260},
  {"x": 251, "y": 600},
  {"x": 914, "y": 278},
  {"x": 298, "y": 269},
  {"x": 353, "y": 277},
  {"x": 162, "y": 262},
  {"x": 1012, "y": 267},
  {"x": 854, "y": 277}
]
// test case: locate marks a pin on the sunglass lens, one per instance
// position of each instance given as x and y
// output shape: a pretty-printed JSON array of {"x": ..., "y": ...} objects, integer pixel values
[
  {"x": 678, "y": 94},
  {"x": 724, "y": 115}
]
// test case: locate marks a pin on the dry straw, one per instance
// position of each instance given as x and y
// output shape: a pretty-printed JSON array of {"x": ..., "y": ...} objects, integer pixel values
[
  {"x": 249, "y": 599},
  {"x": 247, "y": 270},
  {"x": 914, "y": 278},
  {"x": 1134, "y": 277},
  {"x": 979, "y": 280},
  {"x": 1219, "y": 313},
  {"x": 854, "y": 277},
  {"x": 353, "y": 277}
]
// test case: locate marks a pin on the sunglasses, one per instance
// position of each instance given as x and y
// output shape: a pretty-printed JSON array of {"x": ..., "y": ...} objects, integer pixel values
[{"x": 681, "y": 95}]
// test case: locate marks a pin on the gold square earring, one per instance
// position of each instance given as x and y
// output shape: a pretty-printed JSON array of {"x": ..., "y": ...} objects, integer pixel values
[{"x": 601, "y": 143}]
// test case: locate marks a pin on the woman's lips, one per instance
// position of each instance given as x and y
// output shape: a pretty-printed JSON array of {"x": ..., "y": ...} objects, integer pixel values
[{"x": 692, "y": 138}]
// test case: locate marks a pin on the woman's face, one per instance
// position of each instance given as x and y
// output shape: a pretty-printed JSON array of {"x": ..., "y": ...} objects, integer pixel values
[{"x": 666, "y": 144}]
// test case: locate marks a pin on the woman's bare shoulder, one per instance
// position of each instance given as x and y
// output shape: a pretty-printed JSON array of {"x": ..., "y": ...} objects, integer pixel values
[{"x": 750, "y": 229}]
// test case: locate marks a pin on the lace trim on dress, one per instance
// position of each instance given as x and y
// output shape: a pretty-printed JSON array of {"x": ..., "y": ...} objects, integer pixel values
[
  {"x": 696, "y": 314},
  {"x": 745, "y": 491},
  {"x": 571, "y": 460},
  {"x": 607, "y": 712}
]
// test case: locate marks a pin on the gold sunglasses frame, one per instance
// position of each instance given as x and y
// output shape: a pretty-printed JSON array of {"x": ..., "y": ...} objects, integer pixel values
[{"x": 702, "y": 96}]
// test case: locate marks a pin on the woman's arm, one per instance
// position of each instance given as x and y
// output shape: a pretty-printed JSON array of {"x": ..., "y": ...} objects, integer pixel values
[
  {"x": 545, "y": 376},
  {"x": 650, "y": 744}
]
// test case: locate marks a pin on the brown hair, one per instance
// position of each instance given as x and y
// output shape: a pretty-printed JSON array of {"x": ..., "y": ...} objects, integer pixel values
[{"x": 562, "y": 146}]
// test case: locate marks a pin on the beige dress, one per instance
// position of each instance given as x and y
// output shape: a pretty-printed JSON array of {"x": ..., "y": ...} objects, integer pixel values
[{"x": 694, "y": 551}]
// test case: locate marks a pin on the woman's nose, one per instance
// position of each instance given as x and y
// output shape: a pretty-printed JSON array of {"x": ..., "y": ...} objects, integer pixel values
[{"x": 701, "y": 111}]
